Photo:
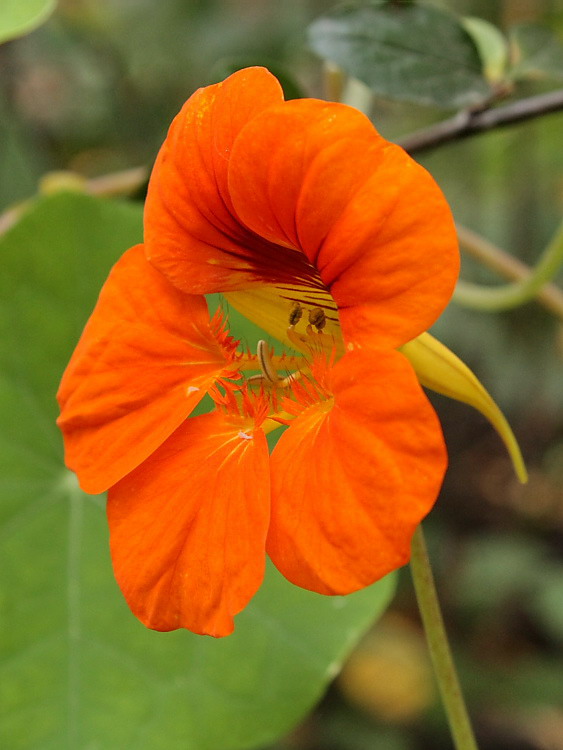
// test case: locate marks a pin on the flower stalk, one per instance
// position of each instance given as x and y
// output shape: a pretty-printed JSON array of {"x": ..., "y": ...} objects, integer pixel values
[{"x": 440, "y": 653}]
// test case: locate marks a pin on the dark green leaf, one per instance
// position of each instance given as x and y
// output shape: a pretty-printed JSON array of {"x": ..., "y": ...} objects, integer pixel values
[
  {"x": 403, "y": 51},
  {"x": 77, "y": 670}
]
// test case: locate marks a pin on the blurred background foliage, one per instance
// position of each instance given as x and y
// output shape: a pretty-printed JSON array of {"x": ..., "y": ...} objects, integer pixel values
[{"x": 93, "y": 91}]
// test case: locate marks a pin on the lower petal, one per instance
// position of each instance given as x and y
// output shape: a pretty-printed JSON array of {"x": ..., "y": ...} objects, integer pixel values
[
  {"x": 188, "y": 527},
  {"x": 144, "y": 361},
  {"x": 353, "y": 477}
]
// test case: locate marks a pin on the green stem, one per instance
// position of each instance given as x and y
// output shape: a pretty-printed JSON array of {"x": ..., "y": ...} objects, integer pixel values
[
  {"x": 438, "y": 645},
  {"x": 512, "y": 295},
  {"x": 550, "y": 295}
]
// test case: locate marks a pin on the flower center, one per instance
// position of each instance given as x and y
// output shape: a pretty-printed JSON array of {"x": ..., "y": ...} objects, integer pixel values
[
  {"x": 283, "y": 385},
  {"x": 295, "y": 315}
]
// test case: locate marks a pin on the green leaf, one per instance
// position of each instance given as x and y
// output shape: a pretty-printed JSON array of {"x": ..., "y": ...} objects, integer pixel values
[
  {"x": 77, "y": 670},
  {"x": 19, "y": 17},
  {"x": 492, "y": 46},
  {"x": 536, "y": 52},
  {"x": 547, "y": 601},
  {"x": 403, "y": 51},
  {"x": 498, "y": 569}
]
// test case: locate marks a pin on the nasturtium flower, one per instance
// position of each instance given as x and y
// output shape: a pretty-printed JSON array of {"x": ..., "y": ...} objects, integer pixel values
[{"x": 338, "y": 244}]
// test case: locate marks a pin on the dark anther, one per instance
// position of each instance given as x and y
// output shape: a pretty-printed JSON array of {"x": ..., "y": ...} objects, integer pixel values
[
  {"x": 317, "y": 318},
  {"x": 295, "y": 314}
]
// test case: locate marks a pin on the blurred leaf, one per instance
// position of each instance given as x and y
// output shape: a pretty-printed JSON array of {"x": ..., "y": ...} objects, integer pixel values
[
  {"x": 403, "y": 51},
  {"x": 342, "y": 729},
  {"x": 536, "y": 52},
  {"x": 77, "y": 670},
  {"x": 19, "y": 158},
  {"x": 492, "y": 46},
  {"x": 547, "y": 602},
  {"x": 19, "y": 17},
  {"x": 498, "y": 568}
]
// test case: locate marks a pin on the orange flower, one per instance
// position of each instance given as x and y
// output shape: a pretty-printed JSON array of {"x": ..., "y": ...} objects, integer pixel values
[{"x": 334, "y": 241}]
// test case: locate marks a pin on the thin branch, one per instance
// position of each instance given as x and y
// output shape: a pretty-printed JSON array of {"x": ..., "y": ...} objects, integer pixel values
[
  {"x": 109, "y": 185},
  {"x": 118, "y": 183},
  {"x": 471, "y": 122}
]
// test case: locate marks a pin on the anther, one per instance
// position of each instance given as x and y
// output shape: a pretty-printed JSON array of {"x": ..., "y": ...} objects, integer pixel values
[
  {"x": 317, "y": 318},
  {"x": 295, "y": 314}
]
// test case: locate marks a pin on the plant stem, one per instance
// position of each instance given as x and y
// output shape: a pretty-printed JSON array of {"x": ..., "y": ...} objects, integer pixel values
[
  {"x": 116, "y": 183},
  {"x": 438, "y": 645},
  {"x": 508, "y": 296},
  {"x": 471, "y": 122},
  {"x": 550, "y": 295}
]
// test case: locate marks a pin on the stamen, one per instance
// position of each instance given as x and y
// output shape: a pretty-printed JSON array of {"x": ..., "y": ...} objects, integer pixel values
[
  {"x": 257, "y": 380},
  {"x": 240, "y": 405},
  {"x": 264, "y": 358},
  {"x": 286, "y": 382},
  {"x": 269, "y": 375},
  {"x": 296, "y": 313},
  {"x": 317, "y": 318},
  {"x": 297, "y": 339}
]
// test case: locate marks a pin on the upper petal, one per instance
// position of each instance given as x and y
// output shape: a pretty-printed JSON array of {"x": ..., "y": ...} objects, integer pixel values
[
  {"x": 391, "y": 259},
  {"x": 188, "y": 527},
  {"x": 353, "y": 476},
  {"x": 271, "y": 159},
  {"x": 373, "y": 223},
  {"x": 145, "y": 359},
  {"x": 191, "y": 232}
]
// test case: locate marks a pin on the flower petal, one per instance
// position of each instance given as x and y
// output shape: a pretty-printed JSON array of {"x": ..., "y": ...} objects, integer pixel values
[
  {"x": 352, "y": 477},
  {"x": 191, "y": 232},
  {"x": 273, "y": 154},
  {"x": 318, "y": 177},
  {"x": 145, "y": 359},
  {"x": 188, "y": 527},
  {"x": 392, "y": 269}
]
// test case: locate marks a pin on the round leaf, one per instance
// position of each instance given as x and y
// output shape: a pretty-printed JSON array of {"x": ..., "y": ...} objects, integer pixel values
[{"x": 77, "y": 670}]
